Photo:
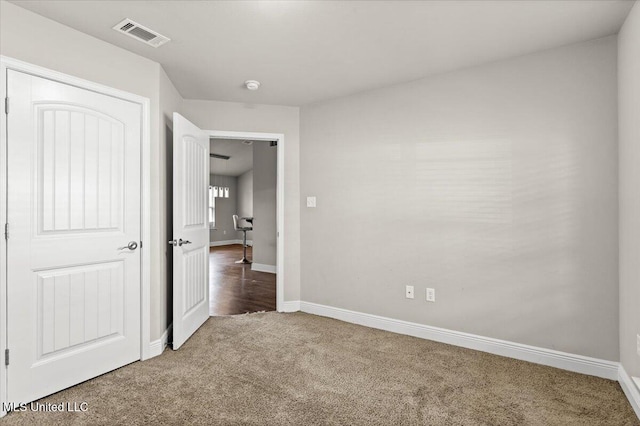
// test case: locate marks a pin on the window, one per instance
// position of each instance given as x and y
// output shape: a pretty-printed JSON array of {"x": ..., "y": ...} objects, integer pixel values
[{"x": 212, "y": 208}]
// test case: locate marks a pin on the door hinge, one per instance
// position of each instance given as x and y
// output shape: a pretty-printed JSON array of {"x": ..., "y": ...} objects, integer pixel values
[
  {"x": 6, "y": 231},
  {"x": 6, "y": 357},
  {"x": 6, "y": 105}
]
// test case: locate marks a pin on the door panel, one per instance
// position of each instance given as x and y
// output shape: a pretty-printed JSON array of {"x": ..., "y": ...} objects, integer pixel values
[
  {"x": 73, "y": 295},
  {"x": 80, "y": 155},
  {"x": 79, "y": 306},
  {"x": 190, "y": 225},
  {"x": 194, "y": 274}
]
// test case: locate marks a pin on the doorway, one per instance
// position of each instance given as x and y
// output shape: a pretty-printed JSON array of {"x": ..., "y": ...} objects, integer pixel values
[
  {"x": 243, "y": 226},
  {"x": 191, "y": 226}
]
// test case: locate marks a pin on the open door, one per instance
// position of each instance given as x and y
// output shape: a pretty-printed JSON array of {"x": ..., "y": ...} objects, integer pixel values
[{"x": 190, "y": 229}]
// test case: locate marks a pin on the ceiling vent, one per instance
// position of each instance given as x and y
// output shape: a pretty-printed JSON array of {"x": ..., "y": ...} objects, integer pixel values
[{"x": 141, "y": 33}]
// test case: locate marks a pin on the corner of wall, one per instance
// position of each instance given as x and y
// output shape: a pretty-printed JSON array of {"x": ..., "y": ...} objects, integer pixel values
[{"x": 629, "y": 189}]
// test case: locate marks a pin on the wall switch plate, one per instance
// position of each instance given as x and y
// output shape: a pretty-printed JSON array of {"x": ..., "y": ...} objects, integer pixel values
[
  {"x": 311, "y": 201},
  {"x": 638, "y": 344},
  {"x": 409, "y": 292},
  {"x": 431, "y": 295}
]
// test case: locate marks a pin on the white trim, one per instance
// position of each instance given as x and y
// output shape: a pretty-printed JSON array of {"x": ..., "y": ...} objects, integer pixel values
[
  {"x": 630, "y": 389},
  {"x": 552, "y": 358},
  {"x": 291, "y": 306},
  {"x": 3, "y": 242},
  {"x": 260, "y": 267},
  {"x": 228, "y": 243},
  {"x": 145, "y": 219},
  {"x": 221, "y": 134},
  {"x": 145, "y": 238},
  {"x": 158, "y": 346}
]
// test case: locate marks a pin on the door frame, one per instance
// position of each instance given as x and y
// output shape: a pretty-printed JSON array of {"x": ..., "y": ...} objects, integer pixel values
[
  {"x": 279, "y": 138},
  {"x": 7, "y": 63}
]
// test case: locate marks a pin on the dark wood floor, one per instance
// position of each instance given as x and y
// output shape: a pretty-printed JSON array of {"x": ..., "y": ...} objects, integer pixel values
[{"x": 235, "y": 288}]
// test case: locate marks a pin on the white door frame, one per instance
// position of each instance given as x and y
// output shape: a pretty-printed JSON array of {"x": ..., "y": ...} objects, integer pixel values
[
  {"x": 7, "y": 63},
  {"x": 279, "y": 138}
]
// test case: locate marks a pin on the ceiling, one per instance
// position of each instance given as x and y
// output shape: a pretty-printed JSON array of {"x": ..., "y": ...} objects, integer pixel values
[
  {"x": 241, "y": 160},
  {"x": 308, "y": 51}
]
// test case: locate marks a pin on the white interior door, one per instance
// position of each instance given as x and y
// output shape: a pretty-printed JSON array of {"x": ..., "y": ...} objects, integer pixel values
[
  {"x": 190, "y": 229},
  {"x": 73, "y": 201}
]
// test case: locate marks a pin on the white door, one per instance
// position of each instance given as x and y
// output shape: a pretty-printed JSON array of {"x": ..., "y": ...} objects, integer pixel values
[
  {"x": 73, "y": 294},
  {"x": 190, "y": 229}
]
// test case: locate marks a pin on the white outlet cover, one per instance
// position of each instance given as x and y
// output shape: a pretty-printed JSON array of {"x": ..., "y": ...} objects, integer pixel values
[
  {"x": 409, "y": 294},
  {"x": 431, "y": 295},
  {"x": 311, "y": 201}
]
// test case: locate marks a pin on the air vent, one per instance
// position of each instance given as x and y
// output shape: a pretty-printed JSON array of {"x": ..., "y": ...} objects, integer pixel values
[{"x": 141, "y": 33}]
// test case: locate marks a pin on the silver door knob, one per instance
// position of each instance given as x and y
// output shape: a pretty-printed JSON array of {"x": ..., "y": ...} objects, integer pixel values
[
  {"x": 179, "y": 242},
  {"x": 131, "y": 246}
]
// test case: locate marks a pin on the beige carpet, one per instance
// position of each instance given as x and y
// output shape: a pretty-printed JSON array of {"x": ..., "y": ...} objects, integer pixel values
[{"x": 300, "y": 369}]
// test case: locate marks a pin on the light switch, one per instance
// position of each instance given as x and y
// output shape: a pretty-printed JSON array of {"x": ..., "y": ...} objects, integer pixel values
[{"x": 311, "y": 201}]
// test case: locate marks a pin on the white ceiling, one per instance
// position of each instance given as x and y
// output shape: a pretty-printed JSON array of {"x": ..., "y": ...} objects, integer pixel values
[
  {"x": 307, "y": 51},
  {"x": 241, "y": 160}
]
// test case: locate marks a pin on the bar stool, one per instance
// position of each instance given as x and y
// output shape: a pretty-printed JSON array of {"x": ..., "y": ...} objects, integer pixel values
[{"x": 244, "y": 230}]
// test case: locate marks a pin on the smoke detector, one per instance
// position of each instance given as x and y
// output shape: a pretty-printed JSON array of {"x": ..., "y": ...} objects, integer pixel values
[
  {"x": 252, "y": 84},
  {"x": 141, "y": 33}
]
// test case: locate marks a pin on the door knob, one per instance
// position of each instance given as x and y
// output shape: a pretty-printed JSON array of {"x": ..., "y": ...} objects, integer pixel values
[
  {"x": 179, "y": 242},
  {"x": 131, "y": 246}
]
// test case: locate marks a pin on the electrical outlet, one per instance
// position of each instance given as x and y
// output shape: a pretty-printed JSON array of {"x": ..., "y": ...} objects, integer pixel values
[
  {"x": 224, "y": 232},
  {"x": 638, "y": 344},
  {"x": 431, "y": 295},
  {"x": 409, "y": 292}
]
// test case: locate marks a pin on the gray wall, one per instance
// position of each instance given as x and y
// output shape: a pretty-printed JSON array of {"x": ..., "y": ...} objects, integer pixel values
[
  {"x": 264, "y": 203},
  {"x": 225, "y": 209},
  {"x": 629, "y": 134},
  {"x": 214, "y": 115},
  {"x": 245, "y": 198},
  {"x": 495, "y": 185}
]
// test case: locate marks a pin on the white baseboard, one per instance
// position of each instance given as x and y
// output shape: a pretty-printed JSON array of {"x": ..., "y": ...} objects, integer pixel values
[
  {"x": 224, "y": 243},
  {"x": 263, "y": 268},
  {"x": 228, "y": 243},
  {"x": 158, "y": 346},
  {"x": 552, "y": 358},
  {"x": 630, "y": 389},
  {"x": 290, "y": 306}
]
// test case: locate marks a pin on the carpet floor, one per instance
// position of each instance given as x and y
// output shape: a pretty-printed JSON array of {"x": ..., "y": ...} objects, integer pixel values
[{"x": 301, "y": 369}]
